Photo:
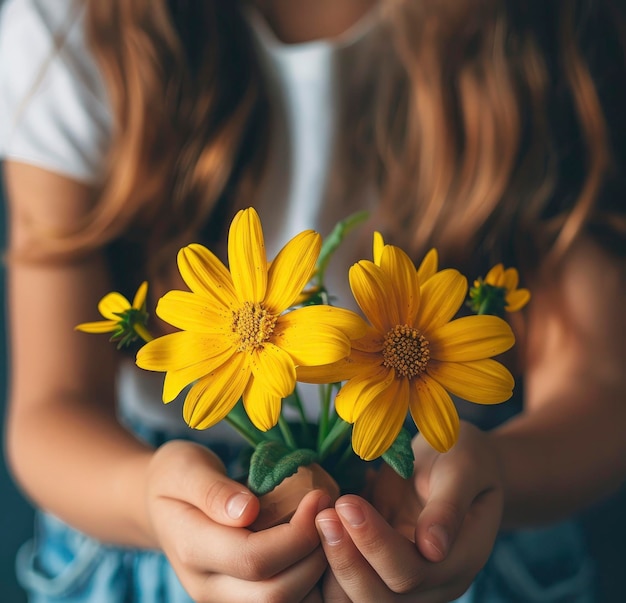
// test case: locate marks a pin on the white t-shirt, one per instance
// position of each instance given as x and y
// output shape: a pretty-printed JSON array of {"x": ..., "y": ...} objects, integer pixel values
[{"x": 55, "y": 115}]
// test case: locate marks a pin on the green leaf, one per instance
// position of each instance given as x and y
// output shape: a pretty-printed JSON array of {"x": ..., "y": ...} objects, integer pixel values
[
  {"x": 272, "y": 462},
  {"x": 334, "y": 239},
  {"x": 400, "y": 455}
]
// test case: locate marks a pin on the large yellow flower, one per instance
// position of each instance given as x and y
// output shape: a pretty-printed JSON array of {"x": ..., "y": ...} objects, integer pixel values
[
  {"x": 237, "y": 338},
  {"x": 414, "y": 355}
]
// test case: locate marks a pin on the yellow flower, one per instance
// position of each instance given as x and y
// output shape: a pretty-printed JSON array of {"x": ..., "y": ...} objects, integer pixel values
[
  {"x": 236, "y": 338},
  {"x": 498, "y": 292},
  {"x": 427, "y": 268},
  {"x": 126, "y": 321},
  {"x": 414, "y": 355}
]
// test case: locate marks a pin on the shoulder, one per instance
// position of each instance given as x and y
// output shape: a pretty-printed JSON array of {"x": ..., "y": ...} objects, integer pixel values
[{"x": 51, "y": 92}]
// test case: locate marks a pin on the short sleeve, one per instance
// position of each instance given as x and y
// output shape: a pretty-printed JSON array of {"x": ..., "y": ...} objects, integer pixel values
[{"x": 54, "y": 112}]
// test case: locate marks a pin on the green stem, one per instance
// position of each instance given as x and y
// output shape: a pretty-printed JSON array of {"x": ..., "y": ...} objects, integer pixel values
[
  {"x": 336, "y": 434},
  {"x": 287, "y": 433},
  {"x": 306, "y": 432},
  {"x": 322, "y": 431},
  {"x": 244, "y": 428}
]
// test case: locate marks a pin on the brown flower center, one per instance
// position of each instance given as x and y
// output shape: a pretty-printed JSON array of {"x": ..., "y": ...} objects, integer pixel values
[
  {"x": 406, "y": 351},
  {"x": 254, "y": 325}
]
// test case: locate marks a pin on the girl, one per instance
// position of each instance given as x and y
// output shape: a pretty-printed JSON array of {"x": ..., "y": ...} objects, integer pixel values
[{"x": 491, "y": 129}]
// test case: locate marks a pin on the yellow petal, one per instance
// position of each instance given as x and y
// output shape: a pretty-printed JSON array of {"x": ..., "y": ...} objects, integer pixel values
[
  {"x": 372, "y": 288},
  {"x": 434, "y": 413},
  {"x": 101, "y": 326},
  {"x": 510, "y": 279},
  {"x": 205, "y": 274},
  {"x": 291, "y": 270},
  {"x": 140, "y": 297},
  {"x": 371, "y": 342},
  {"x": 342, "y": 370},
  {"x": 178, "y": 350},
  {"x": 215, "y": 395},
  {"x": 470, "y": 338},
  {"x": 246, "y": 256},
  {"x": 428, "y": 267},
  {"x": 361, "y": 390},
  {"x": 193, "y": 312},
  {"x": 495, "y": 277},
  {"x": 481, "y": 381},
  {"x": 377, "y": 247},
  {"x": 346, "y": 321},
  {"x": 442, "y": 296},
  {"x": 274, "y": 370},
  {"x": 176, "y": 380},
  {"x": 517, "y": 299},
  {"x": 112, "y": 304},
  {"x": 380, "y": 423},
  {"x": 262, "y": 408},
  {"x": 406, "y": 286},
  {"x": 311, "y": 345}
]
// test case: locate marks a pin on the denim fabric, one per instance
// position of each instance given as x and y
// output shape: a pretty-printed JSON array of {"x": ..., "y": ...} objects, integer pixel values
[
  {"x": 63, "y": 565},
  {"x": 546, "y": 565}
]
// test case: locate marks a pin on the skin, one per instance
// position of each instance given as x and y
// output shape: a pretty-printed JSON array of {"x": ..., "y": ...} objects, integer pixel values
[{"x": 421, "y": 540}]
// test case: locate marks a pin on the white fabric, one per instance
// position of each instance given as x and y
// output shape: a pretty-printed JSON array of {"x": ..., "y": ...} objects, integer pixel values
[
  {"x": 53, "y": 108},
  {"x": 55, "y": 115}
]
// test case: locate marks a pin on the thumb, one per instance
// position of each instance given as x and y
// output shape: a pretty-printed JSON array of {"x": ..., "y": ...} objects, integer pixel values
[
  {"x": 195, "y": 474},
  {"x": 450, "y": 496}
]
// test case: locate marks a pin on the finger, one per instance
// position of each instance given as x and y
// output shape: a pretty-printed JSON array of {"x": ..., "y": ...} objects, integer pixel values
[
  {"x": 297, "y": 583},
  {"x": 452, "y": 490},
  {"x": 382, "y": 551},
  {"x": 196, "y": 475},
  {"x": 354, "y": 578},
  {"x": 331, "y": 589}
]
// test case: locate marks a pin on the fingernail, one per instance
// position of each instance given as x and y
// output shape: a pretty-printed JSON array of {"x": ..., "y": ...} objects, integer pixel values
[
  {"x": 351, "y": 513},
  {"x": 332, "y": 530},
  {"x": 440, "y": 539},
  {"x": 236, "y": 504}
]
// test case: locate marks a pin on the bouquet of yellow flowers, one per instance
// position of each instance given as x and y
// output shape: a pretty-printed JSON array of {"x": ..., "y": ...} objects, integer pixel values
[{"x": 247, "y": 334}]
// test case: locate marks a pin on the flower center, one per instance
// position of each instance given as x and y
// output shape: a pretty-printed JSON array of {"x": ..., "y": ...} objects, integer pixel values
[
  {"x": 406, "y": 351},
  {"x": 254, "y": 325}
]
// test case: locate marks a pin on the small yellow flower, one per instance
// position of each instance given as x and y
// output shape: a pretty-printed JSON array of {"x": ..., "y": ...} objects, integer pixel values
[
  {"x": 498, "y": 292},
  {"x": 236, "y": 338},
  {"x": 414, "y": 355},
  {"x": 126, "y": 321}
]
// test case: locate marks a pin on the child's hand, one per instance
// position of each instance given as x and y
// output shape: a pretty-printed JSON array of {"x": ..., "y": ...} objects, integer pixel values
[
  {"x": 199, "y": 516},
  {"x": 425, "y": 539}
]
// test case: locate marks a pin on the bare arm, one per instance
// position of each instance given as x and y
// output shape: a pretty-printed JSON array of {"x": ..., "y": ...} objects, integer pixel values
[
  {"x": 64, "y": 443},
  {"x": 567, "y": 449},
  {"x": 71, "y": 456}
]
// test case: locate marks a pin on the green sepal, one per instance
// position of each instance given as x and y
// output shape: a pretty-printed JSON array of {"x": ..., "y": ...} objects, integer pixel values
[
  {"x": 272, "y": 462},
  {"x": 487, "y": 299},
  {"x": 400, "y": 455}
]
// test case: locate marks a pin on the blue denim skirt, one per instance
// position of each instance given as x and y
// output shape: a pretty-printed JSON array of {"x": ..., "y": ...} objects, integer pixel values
[{"x": 547, "y": 565}]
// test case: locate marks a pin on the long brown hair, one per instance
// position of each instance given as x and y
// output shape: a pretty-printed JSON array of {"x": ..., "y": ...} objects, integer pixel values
[
  {"x": 489, "y": 121},
  {"x": 510, "y": 127}
]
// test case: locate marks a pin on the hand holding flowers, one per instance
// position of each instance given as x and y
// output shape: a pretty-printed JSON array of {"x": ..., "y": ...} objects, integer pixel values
[{"x": 240, "y": 337}]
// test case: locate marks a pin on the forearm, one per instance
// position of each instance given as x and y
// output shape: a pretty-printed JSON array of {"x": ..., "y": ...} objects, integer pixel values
[
  {"x": 561, "y": 458},
  {"x": 74, "y": 460}
]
